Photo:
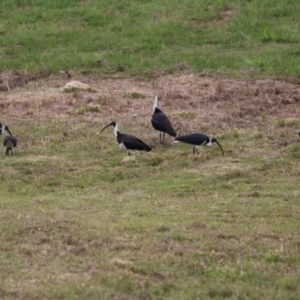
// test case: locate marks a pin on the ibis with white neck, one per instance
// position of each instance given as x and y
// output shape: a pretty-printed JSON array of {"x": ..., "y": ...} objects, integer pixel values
[
  {"x": 126, "y": 141},
  {"x": 9, "y": 142},
  {"x": 198, "y": 139},
  {"x": 161, "y": 122}
]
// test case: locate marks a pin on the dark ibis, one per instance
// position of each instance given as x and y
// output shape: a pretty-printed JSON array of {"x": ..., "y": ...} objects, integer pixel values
[
  {"x": 3, "y": 128},
  {"x": 161, "y": 122},
  {"x": 9, "y": 142},
  {"x": 198, "y": 139},
  {"x": 126, "y": 141}
]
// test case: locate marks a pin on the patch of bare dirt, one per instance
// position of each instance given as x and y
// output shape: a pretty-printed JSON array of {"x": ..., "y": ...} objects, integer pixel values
[{"x": 193, "y": 102}]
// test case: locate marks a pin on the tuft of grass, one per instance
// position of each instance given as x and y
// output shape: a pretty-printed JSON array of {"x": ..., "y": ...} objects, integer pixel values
[
  {"x": 81, "y": 110},
  {"x": 134, "y": 95},
  {"x": 72, "y": 89},
  {"x": 187, "y": 115},
  {"x": 291, "y": 122}
]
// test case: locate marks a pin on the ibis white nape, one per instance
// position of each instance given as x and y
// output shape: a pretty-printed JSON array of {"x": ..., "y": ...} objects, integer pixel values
[
  {"x": 210, "y": 143},
  {"x": 155, "y": 103}
]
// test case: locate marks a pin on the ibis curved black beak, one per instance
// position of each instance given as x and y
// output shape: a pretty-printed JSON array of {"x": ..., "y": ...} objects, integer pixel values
[
  {"x": 110, "y": 124},
  {"x": 6, "y": 128},
  {"x": 216, "y": 141}
]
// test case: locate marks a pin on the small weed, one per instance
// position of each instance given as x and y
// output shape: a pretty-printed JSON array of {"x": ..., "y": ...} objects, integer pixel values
[
  {"x": 289, "y": 283},
  {"x": 295, "y": 151},
  {"x": 187, "y": 115},
  {"x": 81, "y": 110},
  {"x": 288, "y": 122},
  {"x": 134, "y": 95},
  {"x": 155, "y": 161},
  {"x": 72, "y": 89},
  {"x": 220, "y": 293},
  {"x": 163, "y": 228},
  {"x": 272, "y": 259},
  {"x": 94, "y": 109}
]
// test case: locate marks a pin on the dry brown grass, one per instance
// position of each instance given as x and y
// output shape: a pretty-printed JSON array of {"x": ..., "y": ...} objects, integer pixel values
[{"x": 218, "y": 103}]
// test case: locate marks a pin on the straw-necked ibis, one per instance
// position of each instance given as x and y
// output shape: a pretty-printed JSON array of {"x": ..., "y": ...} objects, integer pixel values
[
  {"x": 3, "y": 128},
  {"x": 198, "y": 139},
  {"x": 126, "y": 141},
  {"x": 9, "y": 142},
  {"x": 161, "y": 122}
]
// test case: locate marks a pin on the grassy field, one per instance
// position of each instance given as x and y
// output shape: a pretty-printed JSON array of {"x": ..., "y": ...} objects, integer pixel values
[
  {"x": 259, "y": 38},
  {"x": 82, "y": 220}
]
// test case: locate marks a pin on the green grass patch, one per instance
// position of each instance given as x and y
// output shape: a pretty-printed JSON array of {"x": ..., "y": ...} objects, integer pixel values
[{"x": 259, "y": 38}]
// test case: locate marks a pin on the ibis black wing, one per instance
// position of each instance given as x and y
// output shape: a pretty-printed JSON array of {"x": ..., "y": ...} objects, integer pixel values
[
  {"x": 10, "y": 139},
  {"x": 162, "y": 123},
  {"x": 193, "y": 139},
  {"x": 133, "y": 143}
]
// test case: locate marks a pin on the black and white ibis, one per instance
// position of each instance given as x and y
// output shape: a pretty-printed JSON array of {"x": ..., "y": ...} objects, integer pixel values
[
  {"x": 198, "y": 139},
  {"x": 161, "y": 122},
  {"x": 3, "y": 128},
  {"x": 126, "y": 141},
  {"x": 9, "y": 142}
]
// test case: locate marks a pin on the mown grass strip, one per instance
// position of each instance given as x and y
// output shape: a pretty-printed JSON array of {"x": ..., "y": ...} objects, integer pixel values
[{"x": 257, "y": 38}]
